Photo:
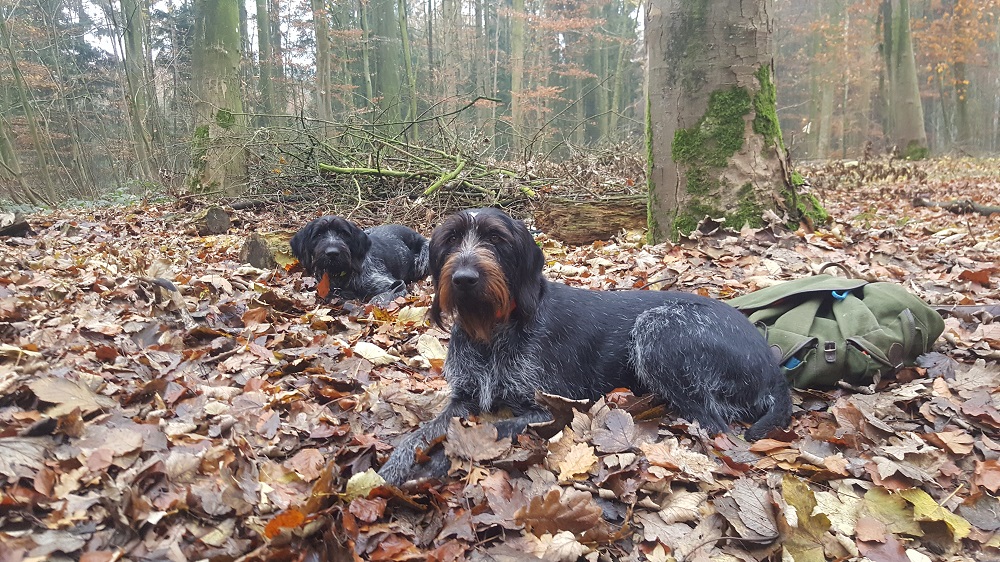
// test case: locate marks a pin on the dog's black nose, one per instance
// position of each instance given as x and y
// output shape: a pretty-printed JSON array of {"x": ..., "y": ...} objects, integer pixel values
[
  {"x": 465, "y": 278},
  {"x": 332, "y": 252}
]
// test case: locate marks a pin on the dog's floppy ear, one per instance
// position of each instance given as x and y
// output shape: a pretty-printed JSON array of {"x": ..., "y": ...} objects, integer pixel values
[
  {"x": 359, "y": 244},
  {"x": 302, "y": 246},
  {"x": 437, "y": 252},
  {"x": 527, "y": 280}
]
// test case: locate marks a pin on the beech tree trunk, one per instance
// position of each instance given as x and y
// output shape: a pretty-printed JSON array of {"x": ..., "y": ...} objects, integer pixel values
[
  {"x": 516, "y": 72},
  {"x": 21, "y": 88},
  {"x": 906, "y": 112},
  {"x": 266, "y": 57},
  {"x": 140, "y": 96},
  {"x": 714, "y": 144},
  {"x": 218, "y": 154},
  {"x": 324, "y": 66}
]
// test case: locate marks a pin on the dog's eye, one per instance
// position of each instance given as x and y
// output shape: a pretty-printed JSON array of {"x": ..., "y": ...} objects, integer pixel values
[
  {"x": 452, "y": 238},
  {"x": 495, "y": 238}
]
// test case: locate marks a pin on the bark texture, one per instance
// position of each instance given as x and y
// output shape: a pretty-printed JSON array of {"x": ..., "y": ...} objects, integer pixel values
[
  {"x": 218, "y": 154},
  {"x": 714, "y": 144},
  {"x": 906, "y": 112}
]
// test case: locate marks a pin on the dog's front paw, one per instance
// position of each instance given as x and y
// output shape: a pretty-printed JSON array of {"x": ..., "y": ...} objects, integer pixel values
[{"x": 402, "y": 466}]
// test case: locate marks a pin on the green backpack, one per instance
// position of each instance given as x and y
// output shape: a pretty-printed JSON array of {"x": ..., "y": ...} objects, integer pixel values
[{"x": 829, "y": 329}]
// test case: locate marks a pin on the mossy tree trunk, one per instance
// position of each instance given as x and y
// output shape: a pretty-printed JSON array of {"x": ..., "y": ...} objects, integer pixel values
[
  {"x": 218, "y": 153},
  {"x": 714, "y": 144}
]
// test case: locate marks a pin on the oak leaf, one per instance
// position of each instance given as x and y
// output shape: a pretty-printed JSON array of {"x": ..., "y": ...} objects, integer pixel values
[
  {"x": 578, "y": 461},
  {"x": 476, "y": 443},
  {"x": 561, "y": 509}
]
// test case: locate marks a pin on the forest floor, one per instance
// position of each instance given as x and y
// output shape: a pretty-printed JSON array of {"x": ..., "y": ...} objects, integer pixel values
[{"x": 237, "y": 420}]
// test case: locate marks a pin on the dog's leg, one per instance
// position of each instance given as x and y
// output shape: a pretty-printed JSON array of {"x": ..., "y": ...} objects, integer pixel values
[
  {"x": 402, "y": 465},
  {"x": 512, "y": 427},
  {"x": 711, "y": 366},
  {"x": 398, "y": 289},
  {"x": 675, "y": 357}
]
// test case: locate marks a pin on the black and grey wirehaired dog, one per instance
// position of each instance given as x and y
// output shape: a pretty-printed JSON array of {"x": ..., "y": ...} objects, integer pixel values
[
  {"x": 374, "y": 264},
  {"x": 515, "y": 332}
]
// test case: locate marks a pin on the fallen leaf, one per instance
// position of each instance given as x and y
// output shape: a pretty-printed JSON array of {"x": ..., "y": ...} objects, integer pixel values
[
  {"x": 374, "y": 353},
  {"x": 749, "y": 510},
  {"x": 987, "y": 475},
  {"x": 580, "y": 460},
  {"x": 561, "y": 509},
  {"x": 308, "y": 463},
  {"x": 476, "y": 443},
  {"x": 926, "y": 509},
  {"x": 806, "y": 536},
  {"x": 67, "y": 395},
  {"x": 22, "y": 457},
  {"x": 361, "y": 483},
  {"x": 618, "y": 434},
  {"x": 871, "y": 530},
  {"x": 288, "y": 519}
]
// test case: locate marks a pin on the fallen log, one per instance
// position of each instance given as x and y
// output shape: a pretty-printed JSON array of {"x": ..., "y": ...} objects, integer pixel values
[
  {"x": 958, "y": 206},
  {"x": 587, "y": 220},
  {"x": 268, "y": 250},
  {"x": 211, "y": 220}
]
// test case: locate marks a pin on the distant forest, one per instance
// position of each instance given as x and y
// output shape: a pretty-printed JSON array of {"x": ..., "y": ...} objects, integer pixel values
[{"x": 100, "y": 96}]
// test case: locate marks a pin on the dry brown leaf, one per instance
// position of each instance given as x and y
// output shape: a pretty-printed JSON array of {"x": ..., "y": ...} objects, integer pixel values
[
  {"x": 749, "y": 510},
  {"x": 67, "y": 395},
  {"x": 871, "y": 530},
  {"x": 987, "y": 475},
  {"x": 561, "y": 509},
  {"x": 477, "y": 443},
  {"x": 308, "y": 463},
  {"x": 579, "y": 461}
]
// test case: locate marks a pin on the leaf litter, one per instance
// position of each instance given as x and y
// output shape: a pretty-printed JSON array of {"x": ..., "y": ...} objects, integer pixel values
[{"x": 160, "y": 400}]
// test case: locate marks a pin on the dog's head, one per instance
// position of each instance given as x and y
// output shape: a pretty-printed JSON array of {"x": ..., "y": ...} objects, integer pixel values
[
  {"x": 331, "y": 245},
  {"x": 487, "y": 270}
]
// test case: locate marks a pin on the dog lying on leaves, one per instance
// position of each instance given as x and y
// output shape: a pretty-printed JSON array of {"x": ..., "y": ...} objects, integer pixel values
[
  {"x": 515, "y": 332},
  {"x": 370, "y": 265}
]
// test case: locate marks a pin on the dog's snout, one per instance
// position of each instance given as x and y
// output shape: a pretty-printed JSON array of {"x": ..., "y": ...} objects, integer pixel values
[
  {"x": 465, "y": 278},
  {"x": 332, "y": 252}
]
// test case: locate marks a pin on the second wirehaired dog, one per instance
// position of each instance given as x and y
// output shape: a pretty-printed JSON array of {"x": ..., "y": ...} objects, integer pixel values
[
  {"x": 371, "y": 265},
  {"x": 515, "y": 332}
]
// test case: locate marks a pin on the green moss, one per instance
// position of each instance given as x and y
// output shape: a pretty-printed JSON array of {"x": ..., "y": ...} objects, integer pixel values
[
  {"x": 199, "y": 147},
  {"x": 797, "y": 179},
  {"x": 707, "y": 147},
  {"x": 916, "y": 151},
  {"x": 225, "y": 118},
  {"x": 807, "y": 207},
  {"x": 749, "y": 211},
  {"x": 765, "y": 106},
  {"x": 718, "y": 135},
  {"x": 687, "y": 219}
]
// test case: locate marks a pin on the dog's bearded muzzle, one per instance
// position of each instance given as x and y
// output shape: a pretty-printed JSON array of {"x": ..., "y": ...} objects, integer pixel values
[
  {"x": 333, "y": 258},
  {"x": 474, "y": 289}
]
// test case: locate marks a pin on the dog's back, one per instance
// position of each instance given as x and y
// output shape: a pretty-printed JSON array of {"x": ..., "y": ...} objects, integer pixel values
[
  {"x": 681, "y": 346},
  {"x": 403, "y": 251}
]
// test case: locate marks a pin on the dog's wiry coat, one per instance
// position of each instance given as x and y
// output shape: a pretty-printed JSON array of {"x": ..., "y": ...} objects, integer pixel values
[
  {"x": 371, "y": 265},
  {"x": 515, "y": 332}
]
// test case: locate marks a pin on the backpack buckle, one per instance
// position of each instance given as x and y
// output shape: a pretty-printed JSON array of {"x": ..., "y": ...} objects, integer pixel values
[{"x": 830, "y": 351}]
